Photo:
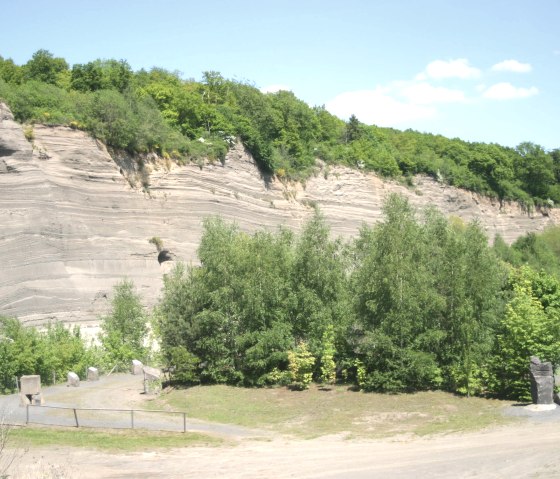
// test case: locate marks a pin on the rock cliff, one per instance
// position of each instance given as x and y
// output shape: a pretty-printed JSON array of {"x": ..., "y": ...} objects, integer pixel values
[{"x": 73, "y": 222}]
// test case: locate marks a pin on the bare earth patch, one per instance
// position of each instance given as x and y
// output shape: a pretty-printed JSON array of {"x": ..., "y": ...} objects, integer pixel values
[{"x": 512, "y": 452}]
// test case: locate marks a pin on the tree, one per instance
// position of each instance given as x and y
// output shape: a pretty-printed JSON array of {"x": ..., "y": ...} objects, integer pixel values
[
  {"x": 353, "y": 129},
  {"x": 44, "y": 67},
  {"x": 301, "y": 363},
  {"x": 530, "y": 327},
  {"x": 124, "y": 329},
  {"x": 535, "y": 168},
  {"x": 396, "y": 304}
]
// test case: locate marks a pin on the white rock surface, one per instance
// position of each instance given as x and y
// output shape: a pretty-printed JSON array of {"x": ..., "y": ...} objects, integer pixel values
[
  {"x": 72, "y": 226},
  {"x": 73, "y": 380}
]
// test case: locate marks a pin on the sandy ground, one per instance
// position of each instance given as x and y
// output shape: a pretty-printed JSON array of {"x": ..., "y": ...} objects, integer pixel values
[{"x": 527, "y": 449}]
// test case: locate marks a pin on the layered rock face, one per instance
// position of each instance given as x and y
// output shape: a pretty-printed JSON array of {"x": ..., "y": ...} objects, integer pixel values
[{"x": 72, "y": 225}]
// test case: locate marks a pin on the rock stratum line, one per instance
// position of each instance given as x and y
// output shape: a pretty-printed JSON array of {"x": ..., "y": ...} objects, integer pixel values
[{"x": 72, "y": 225}]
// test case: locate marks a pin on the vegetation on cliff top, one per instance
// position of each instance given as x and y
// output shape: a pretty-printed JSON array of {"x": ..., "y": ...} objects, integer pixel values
[{"x": 182, "y": 119}]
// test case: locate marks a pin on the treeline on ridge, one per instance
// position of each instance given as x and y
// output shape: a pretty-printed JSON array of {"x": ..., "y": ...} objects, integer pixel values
[{"x": 158, "y": 111}]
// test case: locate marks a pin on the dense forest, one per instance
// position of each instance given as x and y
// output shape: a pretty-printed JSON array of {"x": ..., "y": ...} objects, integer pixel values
[{"x": 185, "y": 120}]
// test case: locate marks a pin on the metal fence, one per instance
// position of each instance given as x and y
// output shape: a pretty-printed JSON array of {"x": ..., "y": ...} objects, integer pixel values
[{"x": 157, "y": 420}]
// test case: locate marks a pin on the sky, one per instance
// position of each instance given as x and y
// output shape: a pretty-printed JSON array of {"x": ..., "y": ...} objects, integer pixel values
[{"x": 479, "y": 70}]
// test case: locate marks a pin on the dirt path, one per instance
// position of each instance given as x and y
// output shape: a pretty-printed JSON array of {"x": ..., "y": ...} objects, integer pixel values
[
  {"x": 527, "y": 449},
  {"x": 511, "y": 452},
  {"x": 118, "y": 391}
]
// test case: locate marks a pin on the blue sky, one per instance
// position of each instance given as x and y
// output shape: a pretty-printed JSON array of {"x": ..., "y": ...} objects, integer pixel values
[{"x": 478, "y": 70}]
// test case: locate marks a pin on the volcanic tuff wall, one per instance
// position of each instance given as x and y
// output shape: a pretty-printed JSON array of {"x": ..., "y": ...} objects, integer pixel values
[{"x": 72, "y": 225}]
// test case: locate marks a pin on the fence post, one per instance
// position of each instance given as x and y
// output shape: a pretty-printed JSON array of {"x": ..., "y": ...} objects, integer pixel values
[
  {"x": 27, "y": 414},
  {"x": 184, "y": 422},
  {"x": 76, "y": 417},
  {"x": 132, "y": 418}
]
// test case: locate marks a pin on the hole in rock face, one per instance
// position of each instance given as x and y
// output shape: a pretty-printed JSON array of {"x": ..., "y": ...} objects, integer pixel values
[
  {"x": 164, "y": 255},
  {"x": 4, "y": 151}
]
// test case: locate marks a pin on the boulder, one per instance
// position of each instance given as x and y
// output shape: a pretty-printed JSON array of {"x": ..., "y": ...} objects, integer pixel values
[
  {"x": 73, "y": 380},
  {"x": 92, "y": 374},
  {"x": 542, "y": 381}
]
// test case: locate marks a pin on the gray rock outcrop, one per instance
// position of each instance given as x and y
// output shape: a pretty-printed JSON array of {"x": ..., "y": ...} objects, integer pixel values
[
  {"x": 542, "y": 381},
  {"x": 74, "y": 222}
]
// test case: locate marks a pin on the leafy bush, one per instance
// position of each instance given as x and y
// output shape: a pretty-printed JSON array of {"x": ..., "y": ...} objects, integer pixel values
[{"x": 301, "y": 363}]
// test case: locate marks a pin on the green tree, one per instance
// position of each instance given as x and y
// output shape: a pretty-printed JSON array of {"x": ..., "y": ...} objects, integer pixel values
[
  {"x": 396, "y": 304},
  {"x": 124, "y": 330},
  {"x": 535, "y": 169},
  {"x": 44, "y": 67},
  {"x": 530, "y": 327},
  {"x": 301, "y": 363}
]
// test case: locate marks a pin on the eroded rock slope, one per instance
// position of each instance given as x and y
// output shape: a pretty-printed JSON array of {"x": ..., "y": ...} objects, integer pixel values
[{"x": 72, "y": 225}]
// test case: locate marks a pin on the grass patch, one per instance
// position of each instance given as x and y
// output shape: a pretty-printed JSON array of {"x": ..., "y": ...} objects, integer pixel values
[
  {"x": 117, "y": 441},
  {"x": 318, "y": 412}
]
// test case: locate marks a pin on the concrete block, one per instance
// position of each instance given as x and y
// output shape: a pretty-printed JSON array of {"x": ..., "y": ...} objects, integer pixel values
[
  {"x": 137, "y": 367},
  {"x": 92, "y": 374},
  {"x": 30, "y": 385},
  {"x": 73, "y": 380}
]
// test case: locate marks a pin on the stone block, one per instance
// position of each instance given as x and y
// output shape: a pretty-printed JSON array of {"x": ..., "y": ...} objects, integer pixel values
[
  {"x": 152, "y": 380},
  {"x": 92, "y": 374},
  {"x": 137, "y": 367},
  {"x": 73, "y": 380},
  {"x": 542, "y": 381},
  {"x": 151, "y": 374},
  {"x": 30, "y": 385}
]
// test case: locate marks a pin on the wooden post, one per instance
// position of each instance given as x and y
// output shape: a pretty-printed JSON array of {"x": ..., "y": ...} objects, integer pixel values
[
  {"x": 184, "y": 422},
  {"x": 76, "y": 417},
  {"x": 132, "y": 418},
  {"x": 27, "y": 414}
]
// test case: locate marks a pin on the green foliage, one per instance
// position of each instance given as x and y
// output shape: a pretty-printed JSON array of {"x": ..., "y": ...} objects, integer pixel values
[
  {"x": 183, "y": 365},
  {"x": 300, "y": 364},
  {"x": 157, "y": 242},
  {"x": 44, "y": 67},
  {"x": 426, "y": 301},
  {"x": 530, "y": 327},
  {"x": 51, "y": 353},
  {"x": 124, "y": 330},
  {"x": 540, "y": 251},
  {"x": 413, "y": 304},
  {"x": 158, "y": 111}
]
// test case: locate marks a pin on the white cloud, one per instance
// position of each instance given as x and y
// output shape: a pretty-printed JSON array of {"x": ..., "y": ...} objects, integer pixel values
[
  {"x": 425, "y": 94},
  {"x": 512, "y": 66},
  {"x": 275, "y": 88},
  {"x": 439, "y": 69},
  {"x": 378, "y": 107},
  {"x": 506, "y": 91}
]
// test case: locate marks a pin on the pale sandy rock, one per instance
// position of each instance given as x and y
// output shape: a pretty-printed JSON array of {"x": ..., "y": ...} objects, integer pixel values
[
  {"x": 137, "y": 367},
  {"x": 73, "y": 226},
  {"x": 73, "y": 380},
  {"x": 92, "y": 374}
]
